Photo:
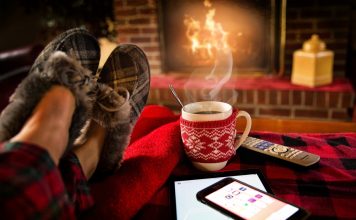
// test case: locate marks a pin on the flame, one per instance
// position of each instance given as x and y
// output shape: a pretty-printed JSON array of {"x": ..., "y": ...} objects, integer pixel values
[
  {"x": 209, "y": 38},
  {"x": 209, "y": 45}
]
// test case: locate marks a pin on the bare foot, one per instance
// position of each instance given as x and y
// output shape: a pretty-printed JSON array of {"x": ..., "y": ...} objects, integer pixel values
[
  {"x": 89, "y": 152},
  {"x": 49, "y": 123}
]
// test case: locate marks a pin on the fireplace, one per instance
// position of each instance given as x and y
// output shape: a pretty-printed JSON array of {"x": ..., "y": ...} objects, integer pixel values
[
  {"x": 196, "y": 34},
  {"x": 263, "y": 95}
]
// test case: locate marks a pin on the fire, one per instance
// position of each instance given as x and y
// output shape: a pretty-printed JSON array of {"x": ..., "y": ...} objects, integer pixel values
[{"x": 208, "y": 38}]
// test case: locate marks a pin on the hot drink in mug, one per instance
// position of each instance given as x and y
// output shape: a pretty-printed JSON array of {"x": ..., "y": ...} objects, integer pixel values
[{"x": 208, "y": 131}]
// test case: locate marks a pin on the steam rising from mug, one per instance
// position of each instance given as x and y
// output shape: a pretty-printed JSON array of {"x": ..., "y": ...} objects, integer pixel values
[{"x": 214, "y": 82}]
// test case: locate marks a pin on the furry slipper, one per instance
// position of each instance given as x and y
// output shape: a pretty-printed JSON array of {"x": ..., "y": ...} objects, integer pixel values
[
  {"x": 127, "y": 72},
  {"x": 112, "y": 111},
  {"x": 79, "y": 45},
  {"x": 59, "y": 69}
]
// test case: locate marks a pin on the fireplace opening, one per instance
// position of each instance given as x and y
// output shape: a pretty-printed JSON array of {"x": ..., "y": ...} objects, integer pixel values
[{"x": 195, "y": 33}]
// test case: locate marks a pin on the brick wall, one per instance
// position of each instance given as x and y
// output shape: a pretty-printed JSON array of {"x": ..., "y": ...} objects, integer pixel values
[
  {"x": 330, "y": 19},
  {"x": 137, "y": 22}
]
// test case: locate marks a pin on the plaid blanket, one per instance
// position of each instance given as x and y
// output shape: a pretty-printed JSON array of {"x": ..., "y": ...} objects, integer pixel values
[{"x": 140, "y": 188}]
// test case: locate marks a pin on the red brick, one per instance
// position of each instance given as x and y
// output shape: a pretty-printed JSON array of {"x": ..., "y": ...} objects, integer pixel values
[
  {"x": 120, "y": 4},
  {"x": 309, "y": 98},
  {"x": 334, "y": 99},
  {"x": 311, "y": 113},
  {"x": 273, "y": 97},
  {"x": 285, "y": 100},
  {"x": 240, "y": 96},
  {"x": 250, "y": 96},
  {"x": 157, "y": 58},
  {"x": 251, "y": 111},
  {"x": 148, "y": 11},
  {"x": 275, "y": 111},
  {"x": 141, "y": 39},
  {"x": 140, "y": 21},
  {"x": 229, "y": 95},
  {"x": 149, "y": 30},
  {"x": 322, "y": 99},
  {"x": 137, "y": 2},
  {"x": 340, "y": 115},
  {"x": 122, "y": 12},
  {"x": 297, "y": 98},
  {"x": 151, "y": 49},
  {"x": 261, "y": 96},
  {"x": 121, "y": 22},
  {"x": 152, "y": 66},
  {"x": 122, "y": 39},
  {"x": 127, "y": 30},
  {"x": 346, "y": 100}
]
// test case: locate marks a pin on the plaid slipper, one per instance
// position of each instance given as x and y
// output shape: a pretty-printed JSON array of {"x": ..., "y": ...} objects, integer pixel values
[
  {"x": 85, "y": 51},
  {"x": 127, "y": 72},
  {"x": 78, "y": 43},
  {"x": 127, "y": 67}
]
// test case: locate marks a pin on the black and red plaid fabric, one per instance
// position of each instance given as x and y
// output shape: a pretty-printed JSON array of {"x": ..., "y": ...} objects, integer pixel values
[
  {"x": 327, "y": 190},
  {"x": 76, "y": 183},
  {"x": 32, "y": 187}
]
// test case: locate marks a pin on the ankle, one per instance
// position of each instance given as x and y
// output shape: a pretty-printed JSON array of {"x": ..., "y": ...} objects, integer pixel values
[
  {"x": 89, "y": 152},
  {"x": 50, "y": 121}
]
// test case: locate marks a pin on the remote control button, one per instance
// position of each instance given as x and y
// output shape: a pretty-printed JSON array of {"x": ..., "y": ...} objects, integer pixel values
[
  {"x": 262, "y": 145},
  {"x": 280, "y": 149}
]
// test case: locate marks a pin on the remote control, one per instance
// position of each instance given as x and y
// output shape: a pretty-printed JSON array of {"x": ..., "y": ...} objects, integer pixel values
[{"x": 289, "y": 154}]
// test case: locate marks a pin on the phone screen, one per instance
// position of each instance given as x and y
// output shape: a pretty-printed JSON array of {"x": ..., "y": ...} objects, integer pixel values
[
  {"x": 248, "y": 203},
  {"x": 184, "y": 189}
]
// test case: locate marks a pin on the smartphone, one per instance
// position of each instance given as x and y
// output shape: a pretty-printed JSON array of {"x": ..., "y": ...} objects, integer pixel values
[{"x": 241, "y": 201}]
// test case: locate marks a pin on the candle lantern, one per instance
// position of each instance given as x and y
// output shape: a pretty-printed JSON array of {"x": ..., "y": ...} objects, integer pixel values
[{"x": 313, "y": 64}]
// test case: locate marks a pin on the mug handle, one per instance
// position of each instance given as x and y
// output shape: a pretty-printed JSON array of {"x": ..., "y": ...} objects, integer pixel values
[{"x": 247, "y": 128}]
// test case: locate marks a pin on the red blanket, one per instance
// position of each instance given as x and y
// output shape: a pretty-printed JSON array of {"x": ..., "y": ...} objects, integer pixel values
[{"x": 139, "y": 189}]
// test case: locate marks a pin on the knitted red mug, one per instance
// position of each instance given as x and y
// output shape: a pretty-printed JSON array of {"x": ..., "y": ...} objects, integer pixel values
[{"x": 208, "y": 131}]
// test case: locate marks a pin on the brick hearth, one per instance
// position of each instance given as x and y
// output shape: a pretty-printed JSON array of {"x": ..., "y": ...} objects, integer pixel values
[{"x": 268, "y": 97}]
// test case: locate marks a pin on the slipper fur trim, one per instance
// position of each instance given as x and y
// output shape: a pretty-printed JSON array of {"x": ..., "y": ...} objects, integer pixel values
[
  {"x": 118, "y": 127},
  {"x": 110, "y": 108},
  {"x": 58, "y": 70}
]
